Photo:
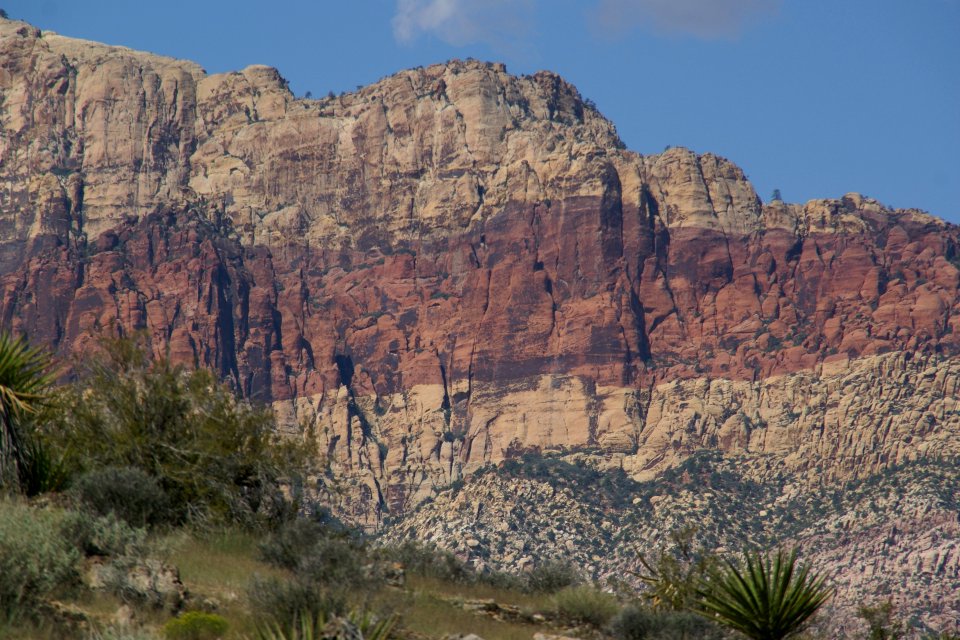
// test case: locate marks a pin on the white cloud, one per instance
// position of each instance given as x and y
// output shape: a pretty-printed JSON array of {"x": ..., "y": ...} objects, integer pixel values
[
  {"x": 498, "y": 23},
  {"x": 700, "y": 18}
]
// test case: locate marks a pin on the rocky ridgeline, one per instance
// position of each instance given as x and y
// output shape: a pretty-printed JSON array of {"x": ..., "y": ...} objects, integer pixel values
[{"x": 455, "y": 265}]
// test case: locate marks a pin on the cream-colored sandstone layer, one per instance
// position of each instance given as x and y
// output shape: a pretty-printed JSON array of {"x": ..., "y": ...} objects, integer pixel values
[
  {"x": 846, "y": 420},
  {"x": 142, "y": 130}
]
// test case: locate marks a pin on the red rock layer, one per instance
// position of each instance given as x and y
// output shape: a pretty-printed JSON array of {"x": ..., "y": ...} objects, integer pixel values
[{"x": 584, "y": 287}]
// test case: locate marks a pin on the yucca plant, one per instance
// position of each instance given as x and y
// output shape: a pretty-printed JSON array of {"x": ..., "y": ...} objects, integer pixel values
[
  {"x": 307, "y": 627},
  {"x": 763, "y": 598},
  {"x": 23, "y": 386},
  {"x": 373, "y": 627}
]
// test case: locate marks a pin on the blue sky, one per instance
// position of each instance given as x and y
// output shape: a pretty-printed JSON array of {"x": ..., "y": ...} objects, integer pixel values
[{"x": 814, "y": 97}]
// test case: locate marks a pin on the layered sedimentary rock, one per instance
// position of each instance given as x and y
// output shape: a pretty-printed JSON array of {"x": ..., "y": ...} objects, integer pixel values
[{"x": 455, "y": 265}]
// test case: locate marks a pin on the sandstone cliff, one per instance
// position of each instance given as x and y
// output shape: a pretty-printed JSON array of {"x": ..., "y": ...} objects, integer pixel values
[{"x": 455, "y": 265}]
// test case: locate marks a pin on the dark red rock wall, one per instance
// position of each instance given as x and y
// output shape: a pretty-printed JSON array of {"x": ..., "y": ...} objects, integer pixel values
[{"x": 586, "y": 287}]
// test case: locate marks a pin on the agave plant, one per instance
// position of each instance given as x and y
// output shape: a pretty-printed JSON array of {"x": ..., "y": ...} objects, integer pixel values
[
  {"x": 763, "y": 598},
  {"x": 23, "y": 385}
]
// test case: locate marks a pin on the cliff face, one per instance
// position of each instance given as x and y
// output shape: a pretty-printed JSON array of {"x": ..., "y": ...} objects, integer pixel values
[{"x": 455, "y": 265}]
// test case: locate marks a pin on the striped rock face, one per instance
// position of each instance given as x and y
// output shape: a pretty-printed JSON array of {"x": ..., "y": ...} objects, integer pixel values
[{"x": 454, "y": 266}]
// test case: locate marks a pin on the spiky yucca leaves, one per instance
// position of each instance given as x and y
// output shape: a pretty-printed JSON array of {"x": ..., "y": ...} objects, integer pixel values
[
  {"x": 23, "y": 385},
  {"x": 762, "y": 597},
  {"x": 307, "y": 627},
  {"x": 373, "y": 627}
]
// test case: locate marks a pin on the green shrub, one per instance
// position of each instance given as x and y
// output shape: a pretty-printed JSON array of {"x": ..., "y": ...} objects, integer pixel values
[
  {"x": 128, "y": 493},
  {"x": 418, "y": 559},
  {"x": 317, "y": 555},
  {"x": 585, "y": 605},
  {"x": 632, "y": 623},
  {"x": 103, "y": 536},
  {"x": 674, "y": 575},
  {"x": 551, "y": 576},
  {"x": 217, "y": 458},
  {"x": 640, "y": 623},
  {"x": 338, "y": 562},
  {"x": 500, "y": 580},
  {"x": 882, "y": 622},
  {"x": 195, "y": 625},
  {"x": 34, "y": 559},
  {"x": 289, "y": 602},
  {"x": 287, "y": 546}
]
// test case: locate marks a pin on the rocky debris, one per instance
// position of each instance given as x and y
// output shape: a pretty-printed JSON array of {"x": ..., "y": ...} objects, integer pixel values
[
  {"x": 64, "y": 618},
  {"x": 147, "y": 581},
  {"x": 498, "y": 611},
  {"x": 395, "y": 575},
  {"x": 340, "y": 629},
  {"x": 510, "y": 613},
  {"x": 893, "y": 534}
]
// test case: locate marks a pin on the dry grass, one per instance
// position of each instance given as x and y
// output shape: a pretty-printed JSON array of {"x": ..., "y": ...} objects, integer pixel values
[{"x": 220, "y": 566}]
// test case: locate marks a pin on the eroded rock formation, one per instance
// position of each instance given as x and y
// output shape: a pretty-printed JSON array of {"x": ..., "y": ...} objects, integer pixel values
[{"x": 454, "y": 265}]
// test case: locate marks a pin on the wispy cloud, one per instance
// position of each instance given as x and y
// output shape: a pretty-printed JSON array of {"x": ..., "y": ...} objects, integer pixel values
[
  {"x": 709, "y": 19},
  {"x": 498, "y": 23}
]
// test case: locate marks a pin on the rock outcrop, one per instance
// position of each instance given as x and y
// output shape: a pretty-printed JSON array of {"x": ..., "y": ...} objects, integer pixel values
[
  {"x": 892, "y": 536},
  {"x": 454, "y": 266}
]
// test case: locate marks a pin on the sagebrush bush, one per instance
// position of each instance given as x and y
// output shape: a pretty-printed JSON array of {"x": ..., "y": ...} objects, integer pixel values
[
  {"x": 195, "y": 625},
  {"x": 641, "y": 623},
  {"x": 128, "y": 493},
  {"x": 287, "y": 602},
  {"x": 125, "y": 568},
  {"x": 551, "y": 576},
  {"x": 585, "y": 605},
  {"x": 323, "y": 557},
  {"x": 418, "y": 559},
  {"x": 339, "y": 562},
  {"x": 286, "y": 546},
  {"x": 104, "y": 535},
  {"x": 35, "y": 559}
]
